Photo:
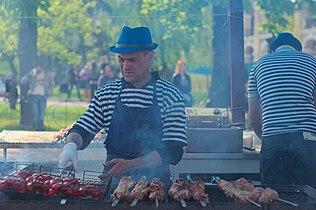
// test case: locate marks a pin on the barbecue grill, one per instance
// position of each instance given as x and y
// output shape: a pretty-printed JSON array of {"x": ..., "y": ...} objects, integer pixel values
[{"x": 304, "y": 195}]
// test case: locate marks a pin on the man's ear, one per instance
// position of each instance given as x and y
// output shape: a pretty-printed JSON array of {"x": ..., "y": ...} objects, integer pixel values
[{"x": 151, "y": 54}]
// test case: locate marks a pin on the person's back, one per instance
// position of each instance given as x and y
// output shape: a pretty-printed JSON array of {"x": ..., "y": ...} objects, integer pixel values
[
  {"x": 281, "y": 99},
  {"x": 285, "y": 83}
]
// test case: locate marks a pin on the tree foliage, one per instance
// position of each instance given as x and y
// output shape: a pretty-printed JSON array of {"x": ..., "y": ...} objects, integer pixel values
[
  {"x": 278, "y": 13},
  {"x": 9, "y": 28},
  {"x": 77, "y": 31}
]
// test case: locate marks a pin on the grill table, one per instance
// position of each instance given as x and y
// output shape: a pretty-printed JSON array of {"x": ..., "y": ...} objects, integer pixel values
[{"x": 33, "y": 140}]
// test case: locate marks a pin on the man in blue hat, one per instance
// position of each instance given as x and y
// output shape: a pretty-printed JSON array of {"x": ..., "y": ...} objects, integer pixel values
[
  {"x": 142, "y": 115},
  {"x": 282, "y": 113}
]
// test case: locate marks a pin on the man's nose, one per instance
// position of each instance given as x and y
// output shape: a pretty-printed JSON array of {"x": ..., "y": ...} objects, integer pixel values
[{"x": 126, "y": 64}]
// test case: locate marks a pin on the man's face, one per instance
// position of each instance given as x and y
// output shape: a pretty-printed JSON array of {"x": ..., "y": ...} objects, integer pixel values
[{"x": 135, "y": 67}]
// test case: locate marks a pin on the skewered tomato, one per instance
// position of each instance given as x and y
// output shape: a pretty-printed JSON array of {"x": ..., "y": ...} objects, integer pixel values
[
  {"x": 91, "y": 191},
  {"x": 15, "y": 183},
  {"x": 3, "y": 185}
]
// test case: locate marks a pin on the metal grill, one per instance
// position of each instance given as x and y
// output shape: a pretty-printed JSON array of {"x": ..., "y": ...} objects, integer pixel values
[{"x": 20, "y": 191}]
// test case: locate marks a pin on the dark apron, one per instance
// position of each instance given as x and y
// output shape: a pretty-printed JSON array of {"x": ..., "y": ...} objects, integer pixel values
[{"x": 135, "y": 132}]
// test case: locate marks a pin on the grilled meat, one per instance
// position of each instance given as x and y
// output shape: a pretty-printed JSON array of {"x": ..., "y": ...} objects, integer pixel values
[
  {"x": 243, "y": 191},
  {"x": 268, "y": 195},
  {"x": 181, "y": 189},
  {"x": 256, "y": 193},
  {"x": 199, "y": 192},
  {"x": 139, "y": 191},
  {"x": 156, "y": 190},
  {"x": 124, "y": 187},
  {"x": 243, "y": 184}
]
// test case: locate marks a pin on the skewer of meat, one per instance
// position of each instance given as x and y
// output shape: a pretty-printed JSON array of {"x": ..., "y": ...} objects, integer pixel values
[
  {"x": 181, "y": 190},
  {"x": 124, "y": 187},
  {"x": 269, "y": 195},
  {"x": 259, "y": 194},
  {"x": 246, "y": 191},
  {"x": 156, "y": 191},
  {"x": 231, "y": 191},
  {"x": 139, "y": 191},
  {"x": 199, "y": 193}
]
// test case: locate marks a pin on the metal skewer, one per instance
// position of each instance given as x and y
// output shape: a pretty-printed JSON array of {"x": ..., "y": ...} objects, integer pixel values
[
  {"x": 63, "y": 201},
  {"x": 183, "y": 203},
  {"x": 115, "y": 202},
  {"x": 253, "y": 202},
  {"x": 287, "y": 202},
  {"x": 203, "y": 204},
  {"x": 157, "y": 203},
  {"x": 134, "y": 203}
]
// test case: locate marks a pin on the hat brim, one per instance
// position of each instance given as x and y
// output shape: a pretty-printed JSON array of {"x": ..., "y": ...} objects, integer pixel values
[
  {"x": 292, "y": 42},
  {"x": 115, "y": 49}
]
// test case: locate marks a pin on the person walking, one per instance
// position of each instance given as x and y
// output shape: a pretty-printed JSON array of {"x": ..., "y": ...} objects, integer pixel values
[
  {"x": 11, "y": 90},
  {"x": 93, "y": 80},
  {"x": 73, "y": 80},
  {"x": 183, "y": 82},
  {"x": 142, "y": 115},
  {"x": 41, "y": 85},
  {"x": 84, "y": 79},
  {"x": 281, "y": 97}
]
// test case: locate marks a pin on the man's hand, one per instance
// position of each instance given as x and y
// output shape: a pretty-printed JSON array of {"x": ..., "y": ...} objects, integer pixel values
[
  {"x": 69, "y": 155},
  {"x": 120, "y": 167}
]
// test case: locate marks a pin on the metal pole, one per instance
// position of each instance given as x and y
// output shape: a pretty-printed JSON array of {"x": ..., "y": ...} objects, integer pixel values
[{"x": 237, "y": 69}]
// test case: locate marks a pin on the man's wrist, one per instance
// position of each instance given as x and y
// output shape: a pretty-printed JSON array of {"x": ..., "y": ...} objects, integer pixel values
[
  {"x": 75, "y": 138},
  {"x": 150, "y": 160}
]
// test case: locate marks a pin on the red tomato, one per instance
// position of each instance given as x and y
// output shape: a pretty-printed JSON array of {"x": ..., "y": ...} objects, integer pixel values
[
  {"x": 55, "y": 189},
  {"x": 3, "y": 185},
  {"x": 91, "y": 190},
  {"x": 71, "y": 192},
  {"x": 22, "y": 173},
  {"x": 16, "y": 183}
]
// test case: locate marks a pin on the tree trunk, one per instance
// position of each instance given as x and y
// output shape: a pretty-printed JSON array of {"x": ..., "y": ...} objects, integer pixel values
[
  {"x": 219, "y": 90},
  {"x": 28, "y": 53}
]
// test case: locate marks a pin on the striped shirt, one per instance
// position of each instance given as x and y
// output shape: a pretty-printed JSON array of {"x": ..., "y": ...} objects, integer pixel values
[
  {"x": 285, "y": 82},
  {"x": 171, "y": 103}
]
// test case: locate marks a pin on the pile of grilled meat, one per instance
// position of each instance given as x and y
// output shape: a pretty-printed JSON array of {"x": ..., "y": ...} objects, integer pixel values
[{"x": 130, "y": 190}]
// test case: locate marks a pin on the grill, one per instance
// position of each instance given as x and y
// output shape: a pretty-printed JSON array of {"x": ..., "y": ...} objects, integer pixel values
[
  {"x": 303, "y": 195},
  {"x": 29, "y": 181}
]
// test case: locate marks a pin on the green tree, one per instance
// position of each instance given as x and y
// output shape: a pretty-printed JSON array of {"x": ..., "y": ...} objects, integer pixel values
[{"x": 278, "y": 13}]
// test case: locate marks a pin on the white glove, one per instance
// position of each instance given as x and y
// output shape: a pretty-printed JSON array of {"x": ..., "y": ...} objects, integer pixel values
[{"x": 69, "y": 155}]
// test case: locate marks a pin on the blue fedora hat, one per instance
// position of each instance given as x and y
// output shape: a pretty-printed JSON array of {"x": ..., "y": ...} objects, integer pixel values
[
  {"x": 286, "y": 38},
  {"x": 134, "y": 40}
]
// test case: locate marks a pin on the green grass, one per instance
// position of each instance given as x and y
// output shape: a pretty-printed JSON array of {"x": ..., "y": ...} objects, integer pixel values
[{"x": 56, "y": 117}]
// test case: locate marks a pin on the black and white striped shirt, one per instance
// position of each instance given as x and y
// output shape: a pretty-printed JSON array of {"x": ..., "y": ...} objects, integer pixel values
[
  {"x": 285, "y": 82},
  {"x": 170, "y": 101}
]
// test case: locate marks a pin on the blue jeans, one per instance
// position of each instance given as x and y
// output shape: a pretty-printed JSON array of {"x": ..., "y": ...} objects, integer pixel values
[
  {"x": 287, "y": 159},
  {"x": 38, "y": 105}
]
